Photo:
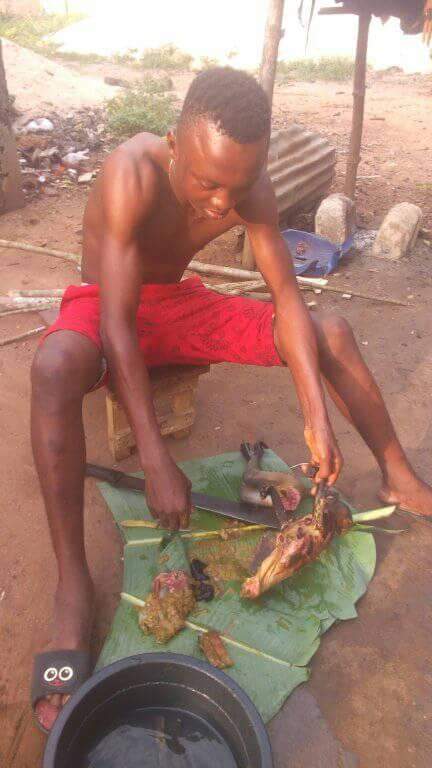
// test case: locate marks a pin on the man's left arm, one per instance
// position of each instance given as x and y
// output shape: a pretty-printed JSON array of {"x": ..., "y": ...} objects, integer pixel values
[{"x": 295, "y": 334}]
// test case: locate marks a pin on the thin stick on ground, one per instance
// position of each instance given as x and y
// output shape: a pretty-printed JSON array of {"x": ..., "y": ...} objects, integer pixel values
[
  {"x": 37, "y": 292},
  {"x": 22, "y": 336},
  {"x": 19, "y": 246},
  {"x": 216, "y": 270},
  {"x": 24, "y": 310}
]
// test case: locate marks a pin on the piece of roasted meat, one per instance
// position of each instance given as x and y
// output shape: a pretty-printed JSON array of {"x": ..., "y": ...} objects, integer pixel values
[
  {"x": 167, "y": 606},
  {"x": 214, "y": 650},
  {"x": 299, "y": 542}
]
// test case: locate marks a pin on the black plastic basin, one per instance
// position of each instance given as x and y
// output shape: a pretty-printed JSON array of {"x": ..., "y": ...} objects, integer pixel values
[{"x": 122, "y": 694}]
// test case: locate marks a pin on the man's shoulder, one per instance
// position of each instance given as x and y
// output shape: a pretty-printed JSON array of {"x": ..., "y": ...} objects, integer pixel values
[
  {"x": 132, "y": 169},
  {"x": 135, "y": 158},
  {"x": 260, "y": 204}
]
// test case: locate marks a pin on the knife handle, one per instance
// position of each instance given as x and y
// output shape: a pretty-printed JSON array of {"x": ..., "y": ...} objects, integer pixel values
[{"x": 112, "y": 476}]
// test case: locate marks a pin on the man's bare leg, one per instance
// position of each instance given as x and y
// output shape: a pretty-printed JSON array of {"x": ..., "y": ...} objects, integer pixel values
[
  {"x": 355, "y": 392},
  {"x": 65, "y": 367}
]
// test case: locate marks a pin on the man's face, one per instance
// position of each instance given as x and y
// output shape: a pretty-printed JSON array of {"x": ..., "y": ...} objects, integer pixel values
[{"x": 213, "y": 173}]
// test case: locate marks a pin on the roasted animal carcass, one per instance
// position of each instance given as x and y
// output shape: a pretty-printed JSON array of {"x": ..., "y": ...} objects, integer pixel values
[
  {"x": 299, "y": 542},
  {"x": 167, "y": 606},
  {"x": 258, "y": 485}
]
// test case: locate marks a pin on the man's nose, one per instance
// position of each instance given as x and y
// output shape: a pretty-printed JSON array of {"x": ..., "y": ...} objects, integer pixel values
[{"x": 222, "y": 201}]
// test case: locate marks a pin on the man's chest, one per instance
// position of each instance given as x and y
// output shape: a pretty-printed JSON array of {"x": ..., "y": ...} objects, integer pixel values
[{"x": 168, "y": 234}]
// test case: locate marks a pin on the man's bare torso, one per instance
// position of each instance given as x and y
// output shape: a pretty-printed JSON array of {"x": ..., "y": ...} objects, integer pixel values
[{"x": 170, "y": 237}]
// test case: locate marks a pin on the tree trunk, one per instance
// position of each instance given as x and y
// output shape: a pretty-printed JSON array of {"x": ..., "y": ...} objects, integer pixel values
[
  {"x": 272, "y": 36},
  {"x": 11, "y": 194},
  {"x": 358, "y": 105}
]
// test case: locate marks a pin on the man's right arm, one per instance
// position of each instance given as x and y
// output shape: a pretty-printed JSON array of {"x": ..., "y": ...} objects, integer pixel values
[{"x": 126, "y": 205}]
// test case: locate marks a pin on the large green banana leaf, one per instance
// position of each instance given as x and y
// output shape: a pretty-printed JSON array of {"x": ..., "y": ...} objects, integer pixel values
[{"x": 271, "y": 640}]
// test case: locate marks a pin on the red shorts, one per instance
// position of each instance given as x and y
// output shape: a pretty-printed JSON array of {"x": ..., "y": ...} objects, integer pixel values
[{"x": 182, "y": 323}]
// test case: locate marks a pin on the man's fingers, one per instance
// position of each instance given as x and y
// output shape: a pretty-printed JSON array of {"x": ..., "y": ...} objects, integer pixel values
[
  {"x": 185, "y": 517},
  {"x": 324, "y": 470},
  {"x": 310, "y": 469}
]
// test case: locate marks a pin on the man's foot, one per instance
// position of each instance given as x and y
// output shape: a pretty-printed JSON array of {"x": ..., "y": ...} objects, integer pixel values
[
  {"x": 73, "y": 618},
  {"x": 409, "y": 493}
]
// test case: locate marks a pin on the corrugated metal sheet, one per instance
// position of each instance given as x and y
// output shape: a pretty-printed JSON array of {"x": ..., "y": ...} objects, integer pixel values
[{"x": 301, "y": 167}]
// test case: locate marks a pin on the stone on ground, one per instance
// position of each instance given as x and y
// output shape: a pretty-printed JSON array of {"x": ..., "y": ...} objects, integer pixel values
[
  {"x": 398, "y": 232},
  {"x": 335, "y": 218}
]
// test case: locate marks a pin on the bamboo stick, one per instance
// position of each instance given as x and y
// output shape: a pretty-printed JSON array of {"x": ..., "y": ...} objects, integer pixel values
[
  {"x": 194, "y": 266},
  {"x": 21, "y": 336},
  {"x": 28, "y": 301},
  {"x": 373, "y": 514},
  {"x": 259, "y": 296},
  {"x": 220, "y": 271},
  {"x": 222, "y": 531},
  {"x": 359, "y": 295},
  {"x": 39, "y": 292},
  {"x": 23, "y": 310},
  {"x": 185, "y": 534},
  {"x": 245, "y": 274},
  {"x": 74, "y": 257},
  {"x": 138, "y": 603},
  {"x": 247, "y": 285},
  {"x": 241, "y": 646},
  {"x": 334, "y": 289},
  {"x": 17, "y": 303},
  {"x": 139, "y": 524},
  {"x": 238, "y": 289}
]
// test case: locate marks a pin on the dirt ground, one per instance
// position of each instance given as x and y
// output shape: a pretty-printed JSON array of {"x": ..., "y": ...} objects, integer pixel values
[{"x": 368, "y": 702}]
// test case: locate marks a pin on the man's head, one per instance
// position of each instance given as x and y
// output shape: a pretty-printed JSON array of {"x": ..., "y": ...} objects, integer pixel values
[{"x": 221, "y": 143}]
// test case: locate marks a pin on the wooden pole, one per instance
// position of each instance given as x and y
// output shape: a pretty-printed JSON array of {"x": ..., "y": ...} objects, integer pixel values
[
  {"x": 272, "y": 37},
  {"x": 11, "y": 193},
  {"x": 358, "y": 105}
]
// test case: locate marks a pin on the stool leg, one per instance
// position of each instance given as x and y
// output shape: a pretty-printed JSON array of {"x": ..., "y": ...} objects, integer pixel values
[
  {"x": 121, "y": 439},
  {"x": 182, "y": 403}
]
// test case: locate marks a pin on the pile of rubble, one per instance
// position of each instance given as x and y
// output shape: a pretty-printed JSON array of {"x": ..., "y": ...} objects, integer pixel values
[{"x": 59, "y": 151}]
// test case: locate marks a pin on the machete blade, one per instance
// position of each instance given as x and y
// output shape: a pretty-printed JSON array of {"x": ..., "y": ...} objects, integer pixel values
[{"x": 236, "y": 510}]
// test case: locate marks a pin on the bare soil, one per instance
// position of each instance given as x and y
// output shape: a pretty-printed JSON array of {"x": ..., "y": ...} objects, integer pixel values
[{"x": 368, "y": 703}]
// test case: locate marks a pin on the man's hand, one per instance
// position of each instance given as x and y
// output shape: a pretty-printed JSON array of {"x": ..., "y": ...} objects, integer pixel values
[
  {"x": 325, "y": 453},
  {"x": 168, "y": 493}
]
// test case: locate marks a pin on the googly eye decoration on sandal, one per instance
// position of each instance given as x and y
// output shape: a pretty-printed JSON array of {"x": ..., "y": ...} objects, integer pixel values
[
  {"x": 57, "y": 677},
  {"x": 66, "y": 674}
]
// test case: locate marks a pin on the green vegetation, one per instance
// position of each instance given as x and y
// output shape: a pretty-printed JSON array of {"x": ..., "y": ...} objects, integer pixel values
[
  {"x": 166, "y": 57},
  {"x": 152, "y": 84},
  {"x": 145, "y": 107},
  {"x": 29, "y": 31},
  {"x": 81, "y": 58},
  {"x": 208, "y": 63},
  {"x": 326, "y": 68}
]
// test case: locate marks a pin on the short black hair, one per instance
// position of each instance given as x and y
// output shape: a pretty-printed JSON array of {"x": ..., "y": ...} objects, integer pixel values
[{"x": 233, "y": 100}]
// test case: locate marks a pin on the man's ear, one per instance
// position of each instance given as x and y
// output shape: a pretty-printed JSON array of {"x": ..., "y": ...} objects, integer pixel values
[{"x": 172, "y": 143}]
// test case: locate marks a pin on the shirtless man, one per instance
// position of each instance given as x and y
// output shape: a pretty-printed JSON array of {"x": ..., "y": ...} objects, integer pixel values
[{"x": 156, "y": 204}]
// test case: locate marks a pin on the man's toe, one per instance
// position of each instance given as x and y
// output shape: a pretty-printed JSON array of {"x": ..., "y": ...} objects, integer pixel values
[{"x": 47, "y": 713}]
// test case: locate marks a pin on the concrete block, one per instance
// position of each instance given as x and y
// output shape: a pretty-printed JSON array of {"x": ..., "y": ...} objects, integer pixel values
[
  {"x": 398, "y": 232},
  {"x": 336, "y": 218}
]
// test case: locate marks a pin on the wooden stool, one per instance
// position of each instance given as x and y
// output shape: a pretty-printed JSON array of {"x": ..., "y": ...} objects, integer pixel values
[{"x": 174, "y": 390}]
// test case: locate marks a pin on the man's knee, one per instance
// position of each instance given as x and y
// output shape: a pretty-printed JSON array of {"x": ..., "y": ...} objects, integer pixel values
[
  {"x": 335, "y": 334},
  {"x": 56, "y": 371}
]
